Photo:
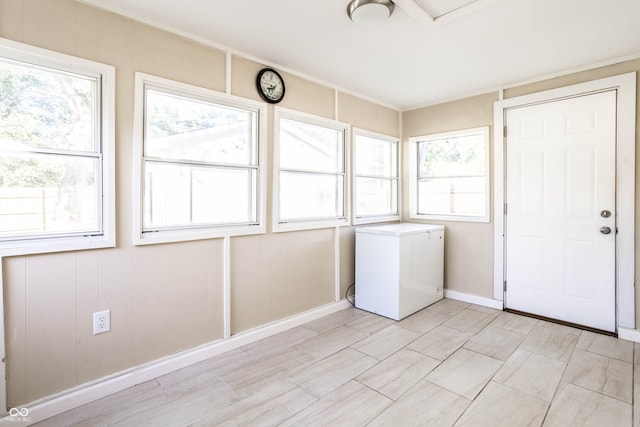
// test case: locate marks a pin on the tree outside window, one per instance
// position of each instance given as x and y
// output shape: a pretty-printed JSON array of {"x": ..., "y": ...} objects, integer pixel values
[
  {"x": 50, "y": 152},
  {"x": 450, "y": 178}
]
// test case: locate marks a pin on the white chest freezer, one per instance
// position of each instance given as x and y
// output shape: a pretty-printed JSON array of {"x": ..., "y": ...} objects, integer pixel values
[{"x": 399, "y": 268}]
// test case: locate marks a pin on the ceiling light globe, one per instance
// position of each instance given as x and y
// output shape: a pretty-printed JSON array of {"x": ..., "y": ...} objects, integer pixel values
[{"x": 369, "y": 12}]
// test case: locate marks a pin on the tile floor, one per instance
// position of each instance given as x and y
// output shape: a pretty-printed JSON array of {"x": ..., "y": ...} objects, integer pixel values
[{"x": 452, "y": 363}]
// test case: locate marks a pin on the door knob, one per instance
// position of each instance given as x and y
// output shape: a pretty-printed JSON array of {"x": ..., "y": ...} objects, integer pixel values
[
  {"x": 605, "y": 214},
  {"x": 605, "y": 230}
]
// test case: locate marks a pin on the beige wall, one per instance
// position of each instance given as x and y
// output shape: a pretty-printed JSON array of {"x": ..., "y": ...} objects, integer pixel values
[
  {"x": 277, "y": 275},
  {"x": 169, "y": 297}
]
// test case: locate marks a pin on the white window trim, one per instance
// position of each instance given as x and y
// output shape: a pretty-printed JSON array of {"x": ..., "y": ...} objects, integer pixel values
[
  {"x": 413, "y": 177},
  {"x": 277, "y": 225},
  {"x": 107, "y": 77},
  {"x": 189, "y": 234},
  {"x": 376, "y": 218}
]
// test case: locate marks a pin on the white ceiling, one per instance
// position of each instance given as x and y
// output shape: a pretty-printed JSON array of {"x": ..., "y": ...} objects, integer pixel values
[{"x": 410, "y": 60}]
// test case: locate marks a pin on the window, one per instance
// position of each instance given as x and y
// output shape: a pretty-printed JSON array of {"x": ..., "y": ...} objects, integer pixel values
[
  {"x": 200, "y": 163},
  {"x": 56, "y": 152},
  {"x": 449, "y": 177},
  {"x": 376, "y": 178},
  {"x": 311, "y": 177}
]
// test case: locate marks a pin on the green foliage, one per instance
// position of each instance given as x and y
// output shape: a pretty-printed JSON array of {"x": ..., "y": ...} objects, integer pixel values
[
  {"x": 45, "y": 109},
  {"x": 461, "y": 156},
  {"x": 26, "y": 173},
  {"x": 41, "y": 109},
  {"x": 169, "y": 115}
]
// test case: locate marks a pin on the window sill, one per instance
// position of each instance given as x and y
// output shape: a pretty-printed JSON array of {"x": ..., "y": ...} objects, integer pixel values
[
  {"x": 173, "y": 236},
  {"x": 43, "y": 246},
  {"x": 376, "y": 219},
  {"x": 280, "y": 227},
  {"x": 457, "y": 218}
]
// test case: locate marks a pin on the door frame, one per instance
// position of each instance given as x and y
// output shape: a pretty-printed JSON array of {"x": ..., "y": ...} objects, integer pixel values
[{"x": 625, "y": 84}]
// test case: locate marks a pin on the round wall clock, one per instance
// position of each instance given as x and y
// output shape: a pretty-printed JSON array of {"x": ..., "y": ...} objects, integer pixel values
[{"x": 270, "y": 85}]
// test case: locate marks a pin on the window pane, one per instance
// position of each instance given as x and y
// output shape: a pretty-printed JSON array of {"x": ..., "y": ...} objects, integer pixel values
[
  {"x": 376, "y": 196},
  {"x": 224, "y": 196},
  {"x": 48, "y": 194},
  {"x": 46, "y": 109},
  {"x": 375, "y": 157},
  {"x": 452, "y": 196},
  {"x": 308, "y": 147},
  {"x": 310, "y": 196},
  {"x": 177, "y": 195},
  {"x": 456, "y": 156},
  {"x": 181, "y": 128}
]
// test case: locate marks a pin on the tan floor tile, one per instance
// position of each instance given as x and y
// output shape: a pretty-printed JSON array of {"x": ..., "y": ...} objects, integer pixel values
[
  {"x": 576, "y": 406},
  {"x": 325, "y": 376},
  {"x": 611, "y": 377},
  {"x": 386, "y": 342},
  {"x": 424, "y": 405},
  {"x": 551, "y": 341},
  {"x": 183, "y": 410},
  {"x": 495, "y": 342},
  {"x": 269, "y": 406},
  {"x": 272, "y": 408},
  {"x": 501, "y": 406},
  {"x": 465, "y": 373},
  {"x": 371, "y": 323},
  {"x": 334, "y": 320},
  {"x": 331, "y": 341},
  {"x": 174, "y": 385},
  {"x": 448, "y": 306},
  {"x": 228, "y": 363},
  {"x": 515, "y": 323},
  {"x": 558, "y": 327},
  {"x": 424, "y": 321},
  {"x": 606, "y": 346},
  {"x": 440, "y": 342},
  {"x": 486, "y": 310},
  {"x": 221, "y": 364},
  {"x": 531, "y": 373},
  {"x": 353, "y": 404},
  {"x": 108, "y": 410},
  {"x": 263, "y": 369},
  {"x": 280, "y": 342},
  {"x": 398, "y": 373},
  {"x": 469, "y": 321}
]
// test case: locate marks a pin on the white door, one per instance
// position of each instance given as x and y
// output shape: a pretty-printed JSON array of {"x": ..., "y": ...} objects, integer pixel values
[{"x": 560, "y": 193}]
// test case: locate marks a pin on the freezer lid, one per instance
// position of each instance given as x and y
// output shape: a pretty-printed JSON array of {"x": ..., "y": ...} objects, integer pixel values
[{"x": 401, "y": 229}]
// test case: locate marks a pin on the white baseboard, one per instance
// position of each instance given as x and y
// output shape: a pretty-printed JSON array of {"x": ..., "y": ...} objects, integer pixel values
[
  {"x": 86, "y": 393},
  {"x": 629, "y": 334},
  {"x": 474, "y": 299}
]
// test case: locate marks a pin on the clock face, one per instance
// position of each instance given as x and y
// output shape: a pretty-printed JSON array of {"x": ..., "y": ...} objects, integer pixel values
[{"x": 270, "y": 85}]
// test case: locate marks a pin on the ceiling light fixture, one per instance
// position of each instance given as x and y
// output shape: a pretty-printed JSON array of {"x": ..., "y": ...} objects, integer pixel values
[{"x": 369, "y": 12}]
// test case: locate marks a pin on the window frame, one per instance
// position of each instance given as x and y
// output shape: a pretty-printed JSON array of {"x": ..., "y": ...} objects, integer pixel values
[
  {"x": 200, "y": 232},
  {"x": 414, "y": 178},
  {"x": 105, "y": 76},
  {"x": 369, "y": 219},
  {"x": 311, "y": 223}
]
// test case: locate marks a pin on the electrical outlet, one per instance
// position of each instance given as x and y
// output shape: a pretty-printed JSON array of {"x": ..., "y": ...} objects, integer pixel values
[{"x": 101, "y": 322}]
